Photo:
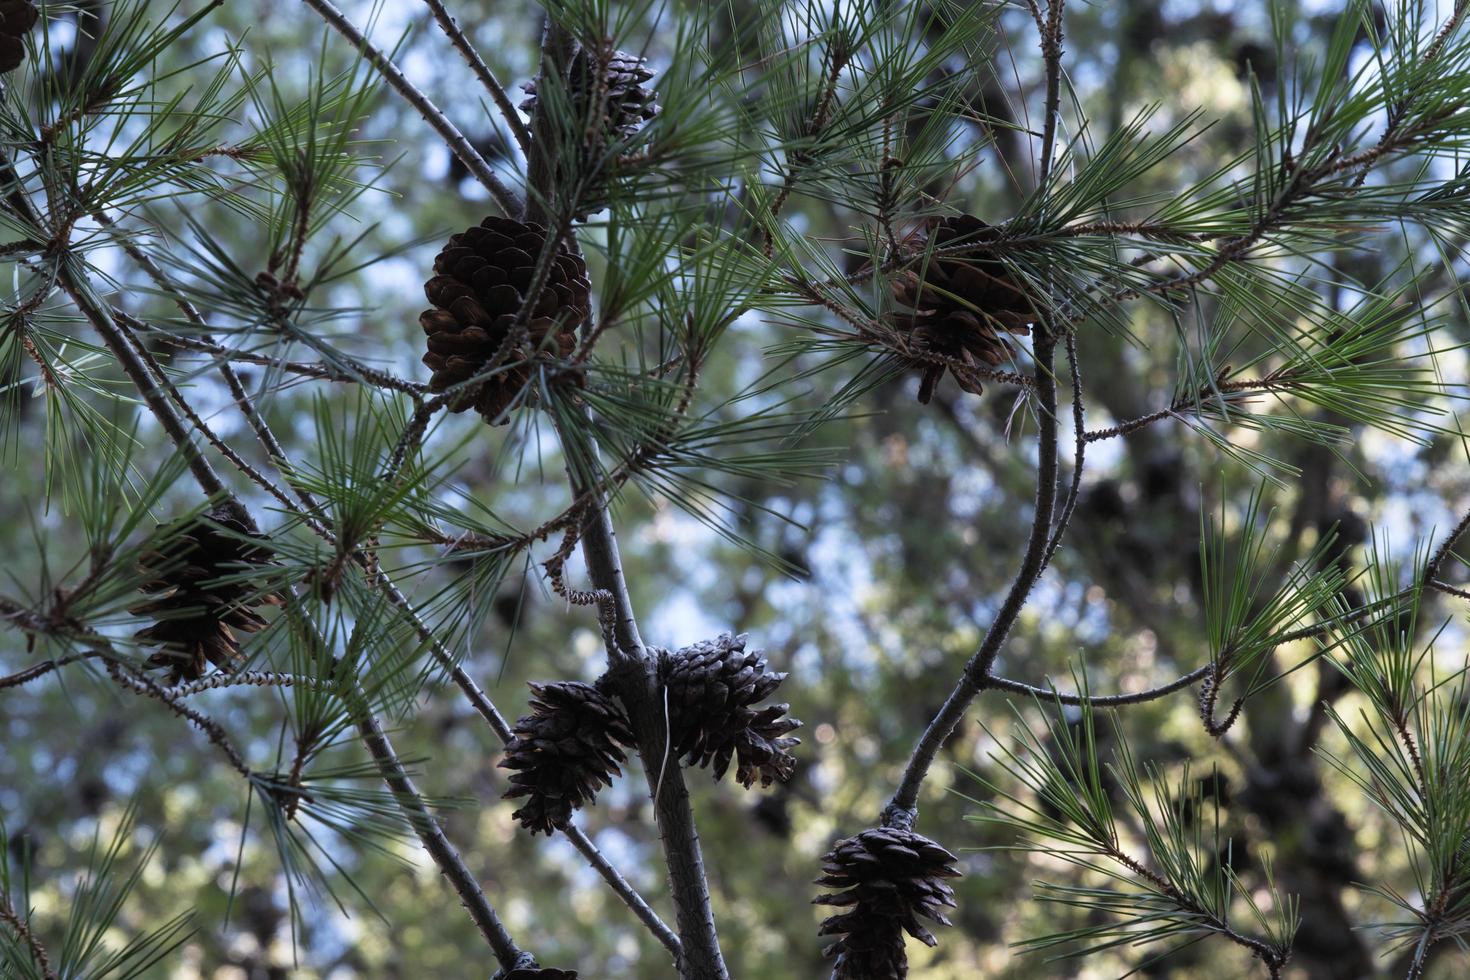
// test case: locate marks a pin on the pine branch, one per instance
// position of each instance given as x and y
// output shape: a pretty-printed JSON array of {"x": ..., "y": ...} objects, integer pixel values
[
  {"x": 1051, "y": 54},
  {"x": 161, "y": 379},
  {"x": 448, "y": 859},
  {"x": 204, "y": 474},
  {"x": 316, "y": 370},
  {"x": 482, "y": 71},
  {"x": 453, "y": 138},
  {"x": 426, "y": 826},
  {"x": 141, "y": 684},
  {"x": 380, "y": 579},
  {"x": 1072, "y": 812},
  {"x": 634, "y": 672},
  {"x": 625, "y": 892},
  {"x": 1079, "y": 448},
  {"x": 37, "y": 671},
  {"x": 632, "y": 668},
  {"x": 1099, "y": 700},
  {"x": 137, "y": 371},
  {"x": 1396, "y": 112},
  {"x": 835, "y": 58},
  {"x": 903, "y": 808}
]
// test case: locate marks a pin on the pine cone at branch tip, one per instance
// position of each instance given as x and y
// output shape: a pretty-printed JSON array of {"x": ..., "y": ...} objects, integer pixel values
[
  {"x": 955, "y": 306},
  {"x": 626, "y": 104},
  {"x": 198, "y": 592},
  {"x": 17, "y": 17},
  {"x": 609, "y": 111},
  {"x": 713, "y": 688},
  {"x": 887, "y": 879},
  {"x": 480, "y": 283},
  {"x": 564, "y": 752}
]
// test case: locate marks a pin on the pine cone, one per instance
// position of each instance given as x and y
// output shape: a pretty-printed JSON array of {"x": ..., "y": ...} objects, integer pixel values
[
  {"x": 611, "y": 112},
  {"x": 621, "y": 100},
  {"x": 956, "y": 305},
  {"x": 888, "y": 878},
  {"x": 479, "y": 285},
  {"x": 197, "y": 613},
  {"x": 564, "y": 752},
  {"x": 17, "y": 17},
  {"x": 713, "y": 689}
]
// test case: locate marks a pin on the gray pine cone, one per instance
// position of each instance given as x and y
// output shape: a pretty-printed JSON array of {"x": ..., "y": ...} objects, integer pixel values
[
  {"x": 887, "y": 879},
  {"x": 564, "y": 752},
  {"x": 714, "y": 688},
  {"x": 625, "y": 103}
]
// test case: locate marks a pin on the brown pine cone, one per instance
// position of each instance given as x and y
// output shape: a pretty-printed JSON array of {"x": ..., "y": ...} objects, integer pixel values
[
  {"x": 886, "y": 878},
  {"x": 625, "y": 103},
  {"x": 564, "y": 752},
  {"x": 17, "y": 17},
  {"x": 714, "y": 687},
  {"x": 198, "y": 596},
  {"x": 479, "y": 286},
  {"x": 953, "y": 306}
]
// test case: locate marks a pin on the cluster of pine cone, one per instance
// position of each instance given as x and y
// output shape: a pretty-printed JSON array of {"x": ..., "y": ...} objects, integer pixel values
[
  {"x": 480, "y": 335},
  {"x": 571, "y": 745},
  {"x": 952, "y": 307}
]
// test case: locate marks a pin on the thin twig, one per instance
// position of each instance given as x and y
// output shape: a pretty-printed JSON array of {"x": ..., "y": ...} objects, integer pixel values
[
  {"x": 444, "y": 854},
  {"x": 448, "y": 132},
  {"x": 482, "y": 71},
  {"x": 1431, "y": 53},
  {"x": 904, "y": 805},
  {"x": 632, "y": 669},
  {"x": 137, "y": 371},
  {"x": 835, "y": 58},
  {"x": 1272, "y": 955},
  {"x": 1049, "y": 694},
  {"x": 318, "y": 370},
  {"x": 1051, "y": 53},
  {"x": 1079, "y": 449},
  {"x": 431, "y": 835},
  {"x": 623, "y": 889},
  {"x": 1244, "y": 388},
  {"x": 144, "y": 685}
]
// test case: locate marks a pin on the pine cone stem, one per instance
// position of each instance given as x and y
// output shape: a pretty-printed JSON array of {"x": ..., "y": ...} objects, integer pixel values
[
  {"x": 633, "y": 677},
  {"x": 632, "y": 672}
]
